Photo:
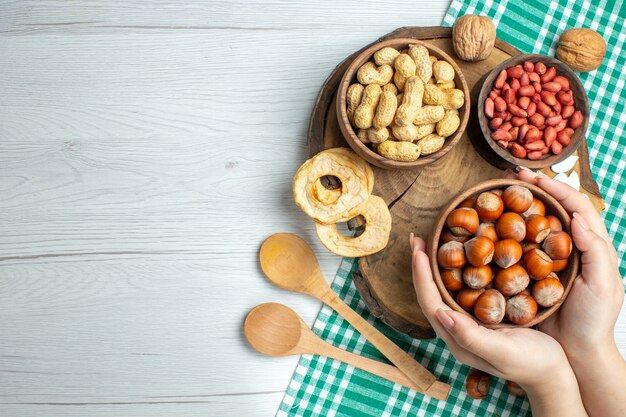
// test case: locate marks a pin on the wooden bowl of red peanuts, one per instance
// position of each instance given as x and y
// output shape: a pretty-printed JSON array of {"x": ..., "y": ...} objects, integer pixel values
[{"x": 533, "y": 111}]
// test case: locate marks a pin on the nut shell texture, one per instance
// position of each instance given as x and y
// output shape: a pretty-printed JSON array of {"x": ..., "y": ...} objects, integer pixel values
[
  {"x": 473, "y": 37},
  {"x": 582, "y": 49}
]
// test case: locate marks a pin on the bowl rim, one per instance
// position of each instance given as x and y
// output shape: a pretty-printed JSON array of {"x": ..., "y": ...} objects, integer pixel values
[
  {"x": 560, "y": 212},
  {"x": 348, "y": 131},
  {"x": 579, "y": 132}
]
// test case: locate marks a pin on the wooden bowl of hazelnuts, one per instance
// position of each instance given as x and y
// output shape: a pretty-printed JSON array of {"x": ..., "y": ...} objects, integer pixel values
[{"x": 502, "y": 253}]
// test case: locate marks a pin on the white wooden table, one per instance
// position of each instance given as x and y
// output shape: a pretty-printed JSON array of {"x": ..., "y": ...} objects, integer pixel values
[{"x": 146, "y": 150}]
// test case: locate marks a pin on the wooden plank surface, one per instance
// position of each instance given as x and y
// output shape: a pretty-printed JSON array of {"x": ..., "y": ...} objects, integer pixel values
[{"x": 146, "y": 149}]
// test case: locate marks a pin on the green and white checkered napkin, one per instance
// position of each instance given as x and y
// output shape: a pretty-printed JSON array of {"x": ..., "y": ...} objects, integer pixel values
[{"x": 324, "y": 387}]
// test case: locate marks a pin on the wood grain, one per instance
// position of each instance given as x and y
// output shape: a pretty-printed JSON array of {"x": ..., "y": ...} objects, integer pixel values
[{"x": 415, "y": 196}]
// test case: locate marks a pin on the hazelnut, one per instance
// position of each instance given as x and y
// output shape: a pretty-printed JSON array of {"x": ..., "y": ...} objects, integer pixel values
[
  {"x": 479, "y": 250},
  {"x": 559, "y": 264},
  {"x": 451, "y": 255},
  {"x": 548, "y": 292},
  {"x": 489, "y": 206},
  {"x": 558, "y": 245},
  {"x": 512, "y": 280},
  {"x": 463, "y": 221},
  {"x": 511, "y": 226},
  {"x": 488, "y": 230},
  {"x": 478, "y": 384},
  {"x": 490, "y": 307},
  {"x": 537, "y": 228},
  {"x": 452, "y": 279},
  {"x": 521, "y": 309},
  {"x": 526, "y": 246},
  {"x": 555, "y": 224},
  {"x": 507, "y": 252},
  {"x": 514, "y": 389},
  {"x": 448, "y": 236},
  {"x": 473, "y": 37},
  {"x": 517, "y": 198},
  {"x": 468, "y": 203},
  {"x": 466, "y": 298},
  {"x": 477, "y": 276},
  {"x": 537, "y": 263},
  {"x": 536, "y": 207},
  {"x": 582, "y": 49}
]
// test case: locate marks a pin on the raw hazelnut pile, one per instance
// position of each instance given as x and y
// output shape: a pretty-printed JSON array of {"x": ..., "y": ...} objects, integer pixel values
[
  {"x": 531, "y": 111},
  {"x": 405, "y": 103},
  {"x": 499, "y": 256}
]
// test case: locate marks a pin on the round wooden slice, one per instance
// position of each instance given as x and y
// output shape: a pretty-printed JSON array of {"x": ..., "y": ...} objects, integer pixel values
[{"x": 415, "y": 197}]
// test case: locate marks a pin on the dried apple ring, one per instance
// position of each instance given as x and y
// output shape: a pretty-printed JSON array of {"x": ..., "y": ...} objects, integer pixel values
[
  {"x": 325, "y": 195},
  {"x": 372, "y": 240},
  {"x": 351, "y": 171}
]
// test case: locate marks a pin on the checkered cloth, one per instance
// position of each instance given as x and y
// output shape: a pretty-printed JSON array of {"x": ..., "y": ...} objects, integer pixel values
[{"x": 324, "y": 387}]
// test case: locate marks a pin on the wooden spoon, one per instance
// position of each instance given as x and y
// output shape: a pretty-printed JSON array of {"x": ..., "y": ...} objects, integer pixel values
[
  {"x": 289, "y": 262},
  {"x": 275, "y": 329}
]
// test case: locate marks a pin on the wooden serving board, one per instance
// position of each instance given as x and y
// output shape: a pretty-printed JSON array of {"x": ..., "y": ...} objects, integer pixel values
[{"x": 415, "y": 197}]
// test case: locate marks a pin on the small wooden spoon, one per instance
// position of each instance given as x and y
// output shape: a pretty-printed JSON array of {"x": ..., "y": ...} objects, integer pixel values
[
  {"x": 289, "y": 262},
  {"x": 276, "y": 330}
]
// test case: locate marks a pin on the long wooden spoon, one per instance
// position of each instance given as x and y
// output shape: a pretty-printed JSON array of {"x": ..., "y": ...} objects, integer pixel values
[
  {"x": 289, "y": 262},
  {"x": 275, "y": 329}
]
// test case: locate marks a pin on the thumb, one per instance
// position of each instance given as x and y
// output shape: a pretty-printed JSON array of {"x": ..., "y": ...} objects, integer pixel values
[{"x": 596, "y": 259}]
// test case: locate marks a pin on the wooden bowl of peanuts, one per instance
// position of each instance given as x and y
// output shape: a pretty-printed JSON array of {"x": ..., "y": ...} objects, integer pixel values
[{"x": 403, "y": 104}]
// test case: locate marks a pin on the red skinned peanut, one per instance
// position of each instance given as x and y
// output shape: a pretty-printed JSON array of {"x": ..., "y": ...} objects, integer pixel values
[
  {"x": 500, "y": 104},
  {"x": 515, "y": 110},
  {"x": 514, "y": 132},
  {"x": 535, "y": 146},
  {"x": 493, "y": 94},
  {"x": 563, "y": 138},
  {"x": 552, "y": 86},
  {"x": 514, "y": 72},
  {"x": 522, "y": 131},
  {"x": 540, "y": 68},
  {"x": 537, "y": 119},
  {"x": 548, "y": 98},
  {"x": 563, "y": 81},
  {"x": 495, "y": 123},
  {"x": 501, "y": 79},
  {"x": 532, "y": 135},
  {"x": 518, "y": 121},
  {"x": 523, "y": 102},
  {"x": 515, "y": 85},
  {"x": 489, "y": 106},
  {"x": 549, "y": 135},
  {"x": 526, "y": 91},
  {"x": 561, "y": 125},
  {"x": 565, "y": 97},
  {"x": 534, "y": 155},
  {"x": 503, "y": 144},
  {"x": 508, "y": 95},
  {"x": 528, "y": 66},
  {"x": 556, "y": 148},
  {"x": 524, "y": 79},
  {"x": 548, "y": 75},
  {"x": 576, "y": 119},
  {"x": 501, "y": 135},
  {"x": 532, "y": 109},
  {"x": 518, "y": 150},
  {"x": 534, "y": 77}
]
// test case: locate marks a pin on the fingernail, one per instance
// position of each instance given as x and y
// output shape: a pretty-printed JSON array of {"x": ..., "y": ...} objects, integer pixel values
[
  {"x": 411, "y": 241},
  {"x": 582, "y": 221},
  {"x": 521, "y": 168},
  {"x": 445, "y": 320},
  {"x": 541, "y": 174}
]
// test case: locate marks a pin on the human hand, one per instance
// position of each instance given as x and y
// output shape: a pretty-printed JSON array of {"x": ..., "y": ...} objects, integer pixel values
[
  {"x": 504, "y": 352},
  {"x": 585, "y": 322}
]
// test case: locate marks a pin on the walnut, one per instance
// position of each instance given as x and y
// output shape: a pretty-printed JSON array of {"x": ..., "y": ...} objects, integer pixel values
[
  {"x": 473, "y": 37},
  {"x": 582, "y": 49}
]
